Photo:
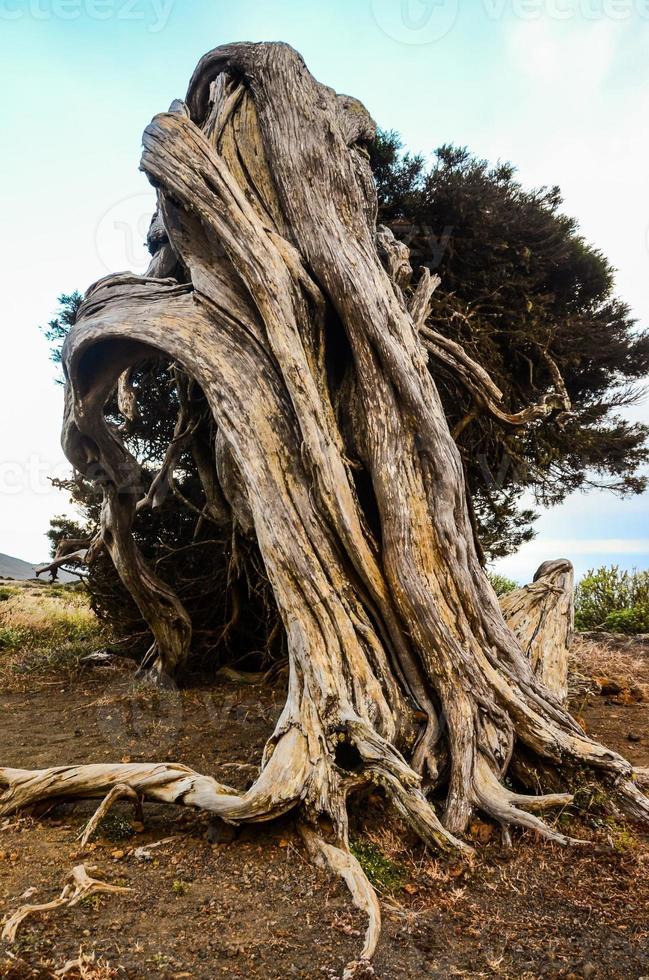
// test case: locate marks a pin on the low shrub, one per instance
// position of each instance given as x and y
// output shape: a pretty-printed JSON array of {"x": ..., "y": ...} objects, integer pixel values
[
  {"x": 501, "y": 584},
  {"x": 10, "y": 638},
  {"x": 633, "y": 620},
  {"x": 614, "y": 600}
]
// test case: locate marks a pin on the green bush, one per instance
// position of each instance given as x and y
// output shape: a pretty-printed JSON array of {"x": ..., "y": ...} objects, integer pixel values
[
  {"x": 633, "y": 620},
  {"x": 10, "y": 638},
  {"x": 501, "y": 584},
  {"x": 613, "y": 600}
]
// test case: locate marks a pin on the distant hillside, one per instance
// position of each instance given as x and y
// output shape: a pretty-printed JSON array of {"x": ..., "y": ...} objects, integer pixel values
[{"x": 20, "y": 570}]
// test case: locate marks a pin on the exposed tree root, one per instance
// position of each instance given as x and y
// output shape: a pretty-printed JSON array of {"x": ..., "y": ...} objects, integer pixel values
[
  {"x": 342, "y": 862},
  {"x": 515, "y": 809},
  {"x": 120, "y": 791},
  {"x": 88, "y": 967},
  {"x": 642, "y": 777},
  {"x": 276, "y": 791},
  {"x": 81, "y": 886}
]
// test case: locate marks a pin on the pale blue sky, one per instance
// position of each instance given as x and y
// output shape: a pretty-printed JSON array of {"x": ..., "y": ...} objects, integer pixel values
[{"x": 559, "y": 87}]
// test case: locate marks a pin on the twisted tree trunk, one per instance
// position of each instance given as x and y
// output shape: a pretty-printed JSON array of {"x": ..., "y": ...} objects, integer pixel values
[{"x": 271, "y": 288}]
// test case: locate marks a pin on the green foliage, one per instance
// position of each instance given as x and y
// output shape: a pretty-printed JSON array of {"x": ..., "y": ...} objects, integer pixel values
[
  {"x": 611, "y": 599},
  {"x": 180, "y": 888},
  {"x": 64, "y": 528},
  {"x": 115, "y": 828},
  {"x": 518, "y": 280},
  {"x": 6, "y": 592},
  {"x": 57, "y": 329},
  {"x": 501, "y": 584},
  {"x": 91, "y": 903},
  {"x": 632, "y": 621},
  {"x": 622, "y": 838},
  {"x": 384, "y": 874},
  {"x": 10, "y": 637}
]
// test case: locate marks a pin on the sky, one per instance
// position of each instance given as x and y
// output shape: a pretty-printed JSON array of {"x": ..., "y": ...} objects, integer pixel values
[{"x": 558, "y": 87}]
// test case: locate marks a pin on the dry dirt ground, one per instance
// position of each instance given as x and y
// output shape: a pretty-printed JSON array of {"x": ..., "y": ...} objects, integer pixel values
[{"x": 254, "y": 906}]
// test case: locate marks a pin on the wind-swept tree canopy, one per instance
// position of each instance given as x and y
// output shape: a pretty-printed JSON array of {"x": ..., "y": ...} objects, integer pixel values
[
  {"x": 519, "y": 286},
  {"x": 303, "y": 341}
]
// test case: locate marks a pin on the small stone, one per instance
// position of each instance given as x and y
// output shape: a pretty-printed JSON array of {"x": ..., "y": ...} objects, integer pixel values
[
  {"x": 632, "y": 737},
  {"x": 608, "y": 686},
  {"x": 117, "y": 855},
  {"x": 220, "y": 832},
  {"x": 481, "y": 831}
]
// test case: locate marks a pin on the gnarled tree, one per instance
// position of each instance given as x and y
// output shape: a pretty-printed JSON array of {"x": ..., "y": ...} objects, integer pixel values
[{"x": 277, "y": 296}]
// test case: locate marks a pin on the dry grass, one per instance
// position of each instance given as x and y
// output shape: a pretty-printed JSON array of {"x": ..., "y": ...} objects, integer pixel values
[
  {"x": 599, "y": 659},
  {"x": 43, "y": 610},
  {"x": 43, "y": 628}
]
